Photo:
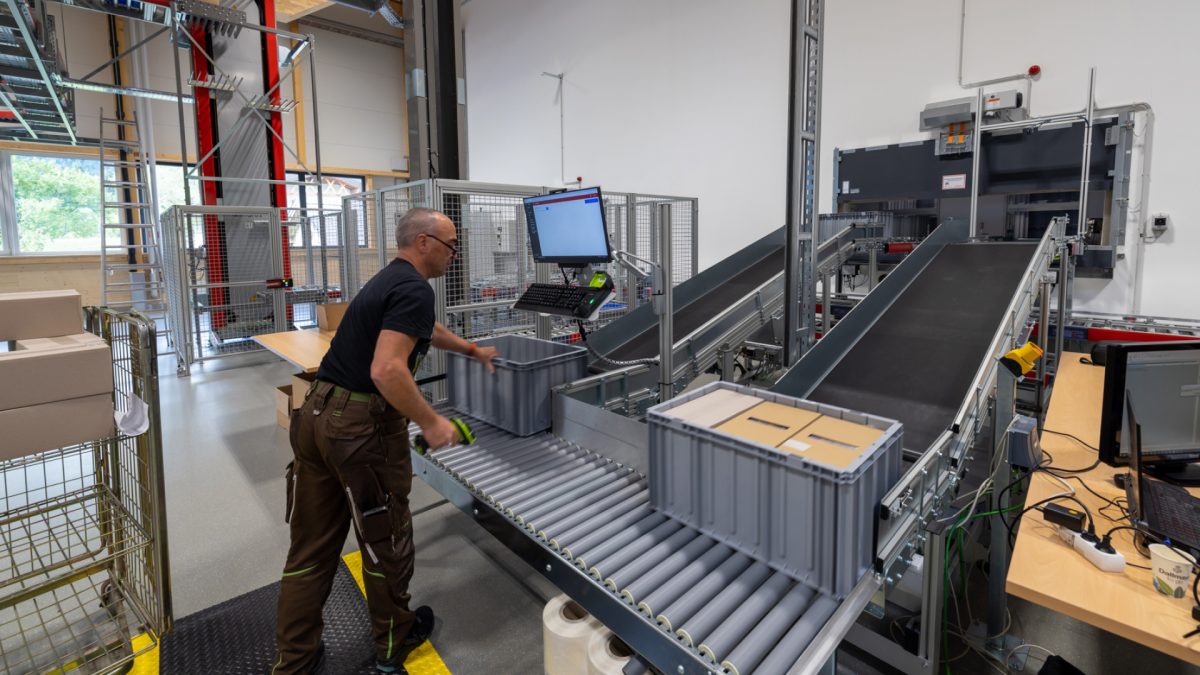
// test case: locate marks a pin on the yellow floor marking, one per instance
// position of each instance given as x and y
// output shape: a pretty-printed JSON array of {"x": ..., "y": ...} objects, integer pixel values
[
  {"x": 145, "y": 664},
  {"x": 424, "y": 660}
]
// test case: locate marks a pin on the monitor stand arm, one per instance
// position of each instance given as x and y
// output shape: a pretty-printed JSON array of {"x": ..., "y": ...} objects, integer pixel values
[{"x": 661, "y": 303}]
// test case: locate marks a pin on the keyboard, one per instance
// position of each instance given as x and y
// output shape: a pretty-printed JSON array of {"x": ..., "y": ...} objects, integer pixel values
[
  {"x": 576, "y": 301},
  {"x": 1172, "y": 511}
]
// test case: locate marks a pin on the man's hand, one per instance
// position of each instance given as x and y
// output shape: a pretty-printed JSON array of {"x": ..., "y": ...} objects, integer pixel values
[
  {"x": 439, "y": 434},
  {"x": 485, "y": 355}
]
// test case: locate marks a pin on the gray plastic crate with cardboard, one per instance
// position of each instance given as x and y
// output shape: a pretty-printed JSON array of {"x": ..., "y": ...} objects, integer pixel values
[
  {"x": 518, "y": 397},
  {"x": 793, "y": 482}
]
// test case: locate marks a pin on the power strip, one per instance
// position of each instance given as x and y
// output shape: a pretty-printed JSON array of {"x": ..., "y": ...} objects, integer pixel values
[{"x": 1112, "y": 562}]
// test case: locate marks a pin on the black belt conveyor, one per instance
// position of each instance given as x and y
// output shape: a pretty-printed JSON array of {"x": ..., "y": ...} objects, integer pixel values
[
  {"x": 916, "y": 362},
  {"x": 661, "y": 580}
]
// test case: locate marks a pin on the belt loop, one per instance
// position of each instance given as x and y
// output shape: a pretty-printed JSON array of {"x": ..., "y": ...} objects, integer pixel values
[
  {"x": 343, "y": 397},
  {"x": 320, "y": 395}
]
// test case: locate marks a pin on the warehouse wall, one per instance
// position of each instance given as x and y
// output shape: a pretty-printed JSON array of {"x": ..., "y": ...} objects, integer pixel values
[{"x": 689, "y": 97}]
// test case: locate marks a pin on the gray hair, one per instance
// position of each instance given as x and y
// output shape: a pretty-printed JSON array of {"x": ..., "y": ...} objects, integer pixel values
[{"x": 415, "y": 222}]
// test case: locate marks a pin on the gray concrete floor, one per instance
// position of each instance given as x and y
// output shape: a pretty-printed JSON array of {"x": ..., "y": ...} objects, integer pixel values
[{"x": 225, "y": 456}]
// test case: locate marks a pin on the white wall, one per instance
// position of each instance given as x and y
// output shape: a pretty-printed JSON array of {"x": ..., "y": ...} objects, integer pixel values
[
  {"x": 689, "y": 97},
  {"x": 675, "y": 97}
]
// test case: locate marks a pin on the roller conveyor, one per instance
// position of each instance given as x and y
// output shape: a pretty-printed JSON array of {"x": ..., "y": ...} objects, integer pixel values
[{"x": 585, "y": 521}]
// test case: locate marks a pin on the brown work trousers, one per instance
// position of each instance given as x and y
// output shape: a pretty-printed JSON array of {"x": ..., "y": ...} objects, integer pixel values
[{"x": 352, "y": 465}]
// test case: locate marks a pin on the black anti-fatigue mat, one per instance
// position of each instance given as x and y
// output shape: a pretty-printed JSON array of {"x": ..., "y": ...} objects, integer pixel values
[
  {"x": 916, "y": 363},
  {"x": 237, "y": 637}
]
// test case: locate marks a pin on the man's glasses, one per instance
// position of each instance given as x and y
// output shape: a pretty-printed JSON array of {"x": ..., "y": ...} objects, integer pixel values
[{"x": 452, "y": 247}]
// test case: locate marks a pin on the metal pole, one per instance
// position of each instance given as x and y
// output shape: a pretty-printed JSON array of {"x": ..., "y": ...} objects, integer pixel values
[
  {"x": 1006, "y": 389},
  {"x": 826, "y": 296},
  {"x": 1043, "y": 333},
  {"x": 183, "y": 163},
  {"x": 348, "y": 247},
  {"x": 792, "y": 252},
  {"x": 976, "y": 144},
  {"x": 804, "y": 94},
  {"x": 666, "y": 344}
]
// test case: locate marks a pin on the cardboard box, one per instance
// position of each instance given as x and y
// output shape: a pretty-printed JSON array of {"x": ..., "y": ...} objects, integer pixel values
[
  {"x": 55, "y": 369},
  {"x": 714, "y": 408},
  {"x": 329, "y": 315},
  {"x": 283, "y": 405},
  {"x": 300, "y": 384},
  {"x": 769, "y": 423},
  {"x": 833, "y": 442},
  {"x": 41, "y": 314},
  {"x": 38, "y": 428}
]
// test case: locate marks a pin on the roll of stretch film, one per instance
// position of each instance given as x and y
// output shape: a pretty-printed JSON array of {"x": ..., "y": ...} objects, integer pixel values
[
  {"x": 606, "y": 654},
  {"x": 567, "y": 629}
]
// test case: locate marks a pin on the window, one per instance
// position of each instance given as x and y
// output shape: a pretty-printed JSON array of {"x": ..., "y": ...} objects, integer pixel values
[
  {"x": 169, "y": 180},
  {"x": 55, "y": 205},
  {"x": 334, "y": 187}
]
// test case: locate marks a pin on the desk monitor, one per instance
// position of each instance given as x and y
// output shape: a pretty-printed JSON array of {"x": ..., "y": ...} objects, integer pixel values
[
  {"x": 1164, "y": 377},
  {"x": 568, "y": 227}
]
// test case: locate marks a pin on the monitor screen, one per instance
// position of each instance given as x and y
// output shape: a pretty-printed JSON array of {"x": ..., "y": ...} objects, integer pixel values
[
  {"x": 1163, "y": 380},
  {"x": 568, "y": 227}
]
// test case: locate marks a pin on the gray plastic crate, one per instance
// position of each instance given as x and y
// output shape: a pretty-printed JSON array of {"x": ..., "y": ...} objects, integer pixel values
[
  {"x": 518, "y": 397},
  {"x": 808, "y": 520}
]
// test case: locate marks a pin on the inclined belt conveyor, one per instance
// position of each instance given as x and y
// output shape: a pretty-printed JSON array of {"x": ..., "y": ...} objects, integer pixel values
[{"x": 679, "y": 597}]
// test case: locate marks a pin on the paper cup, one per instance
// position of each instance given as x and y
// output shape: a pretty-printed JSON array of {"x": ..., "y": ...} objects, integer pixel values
[{"x": 1172, "y": 571}]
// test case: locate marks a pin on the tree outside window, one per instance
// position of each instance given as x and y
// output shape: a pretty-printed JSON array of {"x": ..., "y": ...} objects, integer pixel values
[{"x": 57, "y": 204}]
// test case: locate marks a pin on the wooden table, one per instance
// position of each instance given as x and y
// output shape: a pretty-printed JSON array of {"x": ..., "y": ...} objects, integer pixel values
[
  {"x": 302, "y": 348},
  {"x": 1046, "y": 572}
]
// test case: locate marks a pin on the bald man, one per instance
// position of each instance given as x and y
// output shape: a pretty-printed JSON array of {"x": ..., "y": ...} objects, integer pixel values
[{"x": 352, "y": 463}]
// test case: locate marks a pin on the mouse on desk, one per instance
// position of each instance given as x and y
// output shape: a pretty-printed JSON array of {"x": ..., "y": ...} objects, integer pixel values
[{"x": 1121, "y": 479}]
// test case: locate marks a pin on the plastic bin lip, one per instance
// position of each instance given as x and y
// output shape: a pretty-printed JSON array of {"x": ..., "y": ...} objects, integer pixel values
[
  {"x": 658, "y": 414},
  {"x": 562, "y": 351}
]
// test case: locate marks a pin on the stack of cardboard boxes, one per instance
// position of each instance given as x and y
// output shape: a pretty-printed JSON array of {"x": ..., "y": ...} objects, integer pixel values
[{"x": 57, "y": 379}]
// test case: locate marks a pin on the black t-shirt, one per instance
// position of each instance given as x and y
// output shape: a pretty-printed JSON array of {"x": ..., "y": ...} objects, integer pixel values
[{"x": 397, "y": 298}]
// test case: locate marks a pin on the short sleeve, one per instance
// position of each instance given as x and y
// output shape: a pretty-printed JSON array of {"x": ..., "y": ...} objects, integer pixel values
[{"x": 409, "y": 309}]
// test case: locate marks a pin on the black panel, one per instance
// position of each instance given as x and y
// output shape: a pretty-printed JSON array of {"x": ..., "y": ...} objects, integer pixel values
[{"x": 1013, "y": 162}]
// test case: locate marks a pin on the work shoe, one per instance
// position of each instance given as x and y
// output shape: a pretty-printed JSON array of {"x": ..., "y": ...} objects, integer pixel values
[{"x": 420, "y": 631}]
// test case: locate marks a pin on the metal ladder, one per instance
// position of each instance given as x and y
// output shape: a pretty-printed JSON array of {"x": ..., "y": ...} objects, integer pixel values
[{"x": 131, "y": 249}]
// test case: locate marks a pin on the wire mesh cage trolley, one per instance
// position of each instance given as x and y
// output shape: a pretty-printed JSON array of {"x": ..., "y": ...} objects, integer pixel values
[{"x": 84, "y": 580}]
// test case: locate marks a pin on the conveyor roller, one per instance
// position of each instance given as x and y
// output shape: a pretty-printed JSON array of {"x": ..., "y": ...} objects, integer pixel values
[{"x": 594, "y": 515}]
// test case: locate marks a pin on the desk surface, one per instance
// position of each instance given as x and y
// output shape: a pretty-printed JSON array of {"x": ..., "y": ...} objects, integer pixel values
[
  {"x": 302, "y": 348},
  {"x": 1044, "y": 571}
]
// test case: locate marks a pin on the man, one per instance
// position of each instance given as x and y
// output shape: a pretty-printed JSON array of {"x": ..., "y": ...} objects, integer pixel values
[{"x": 352, "y": 462}]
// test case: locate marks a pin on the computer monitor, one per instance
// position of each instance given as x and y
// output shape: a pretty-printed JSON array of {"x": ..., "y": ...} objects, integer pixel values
[
  {"x": 568, "y": 227},
  {"x": 1164, "y": 377}
]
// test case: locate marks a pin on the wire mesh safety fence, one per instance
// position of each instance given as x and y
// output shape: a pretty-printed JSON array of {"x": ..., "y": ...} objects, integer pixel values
[
  {"x": 495, "y": 264},
  {"x": 228, "y": 268},
  {"x": 238, "y": 272},
  {"x": 85, "y": 582},
  {"x": 318, "y": 245}
]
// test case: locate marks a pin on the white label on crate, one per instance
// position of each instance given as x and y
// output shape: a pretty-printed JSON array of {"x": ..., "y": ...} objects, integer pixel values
[
  {"x": 798, "y": 446},
  {"x": 955, "y": 181}
]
